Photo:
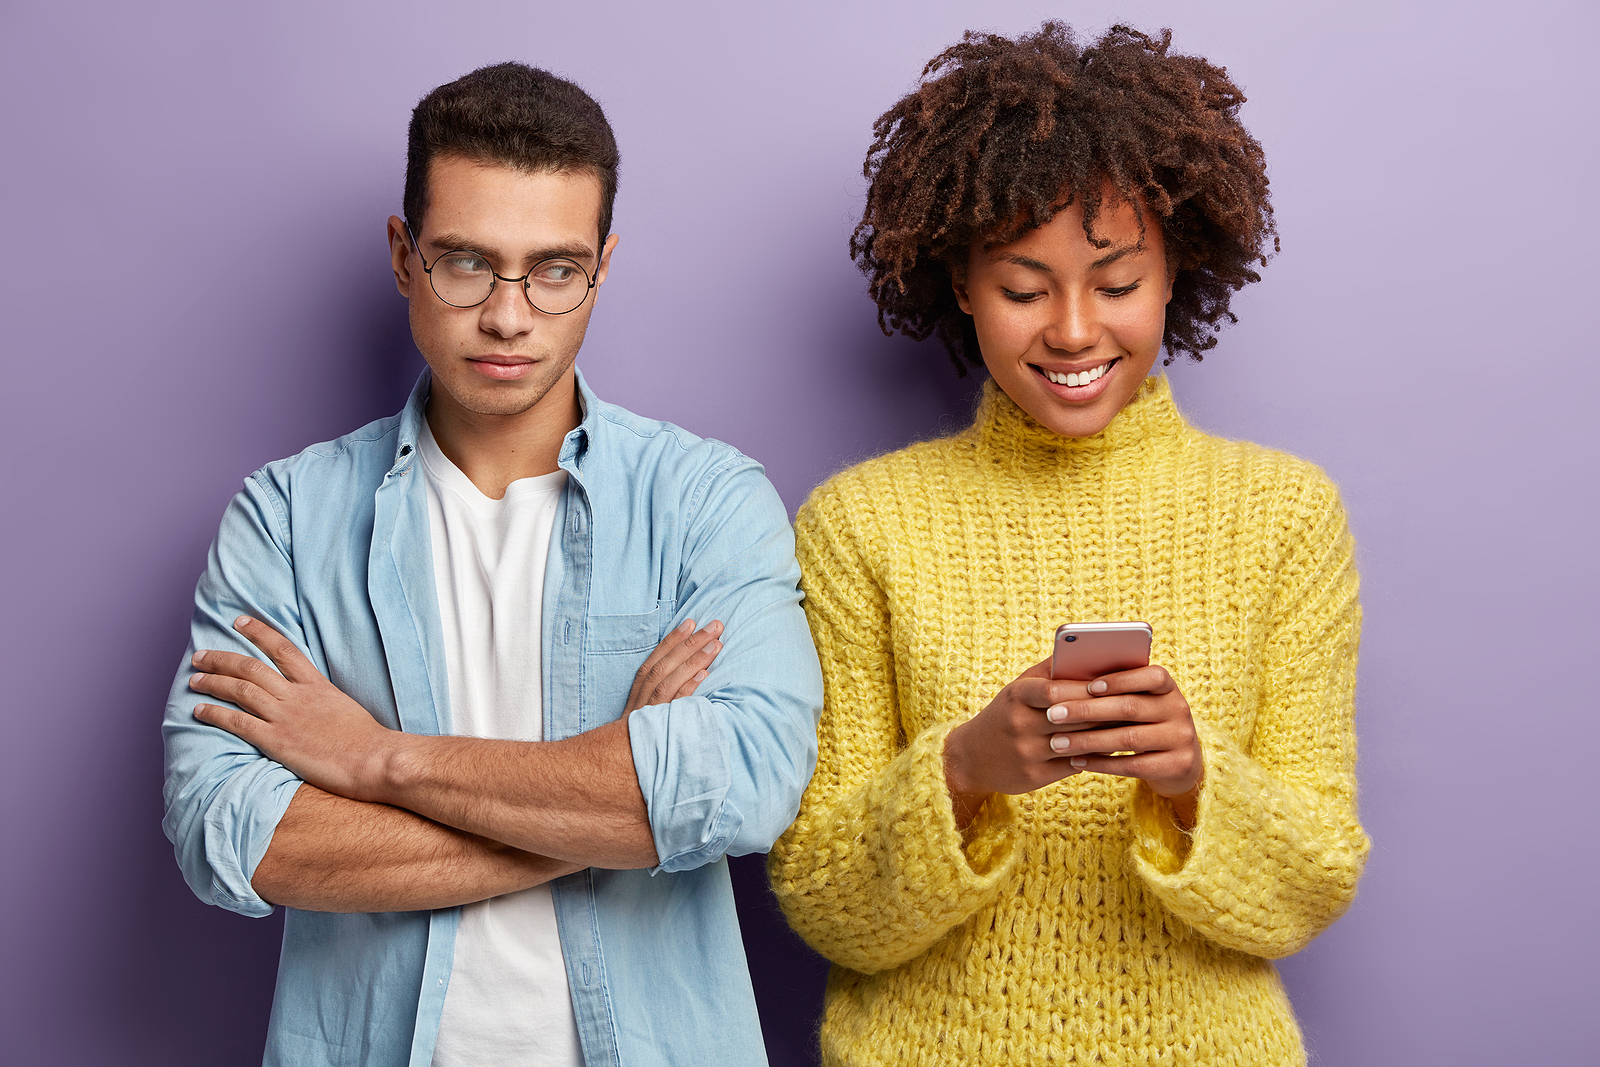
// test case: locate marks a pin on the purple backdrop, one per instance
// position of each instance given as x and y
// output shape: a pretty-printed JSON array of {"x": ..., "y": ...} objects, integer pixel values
[{"x": 195, "y": 282}]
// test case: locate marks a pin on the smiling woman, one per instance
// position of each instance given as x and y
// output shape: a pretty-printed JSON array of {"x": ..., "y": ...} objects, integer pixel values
[
  {"x": 1003, "y": 866},
  {"x": 1068, "y": 330}
]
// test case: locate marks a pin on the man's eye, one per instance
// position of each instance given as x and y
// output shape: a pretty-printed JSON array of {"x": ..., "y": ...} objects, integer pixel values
[
  {"x": 465, "y": 263},
  {"x": 555, "y": 272}
]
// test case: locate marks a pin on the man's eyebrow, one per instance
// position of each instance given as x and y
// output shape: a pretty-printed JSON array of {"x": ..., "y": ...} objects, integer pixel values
[{"x": 450, "y": 242}]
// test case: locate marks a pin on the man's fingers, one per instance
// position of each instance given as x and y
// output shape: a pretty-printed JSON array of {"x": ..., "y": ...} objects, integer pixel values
[
  {"x": 244, "y": 693},
  {"x": 676, "y": 666},
  {"x": 241, "y": 724},
  {"x": 676, "y": 651},
  {"x": 238, "y": 665},
  {"x": 679, "y": 668},
  {"x": 647, "y": 668},
  {"x": 681, "y": 632},
  {"x": 282, "y": 651},
  {"x": 688, "y": 688}
]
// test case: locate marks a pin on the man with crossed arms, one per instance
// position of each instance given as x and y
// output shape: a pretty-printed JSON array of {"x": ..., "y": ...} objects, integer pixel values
[{"x": 492, "y": 768}]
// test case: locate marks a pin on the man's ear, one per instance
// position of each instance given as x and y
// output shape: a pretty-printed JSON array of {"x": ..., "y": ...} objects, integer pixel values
[
  {"x": 400, "y": 255},
  {"x": 604, "y": 268}
]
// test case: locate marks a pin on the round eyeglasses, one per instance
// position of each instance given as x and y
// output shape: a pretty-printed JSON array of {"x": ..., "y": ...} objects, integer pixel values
[{"x": 465, "y": 279}]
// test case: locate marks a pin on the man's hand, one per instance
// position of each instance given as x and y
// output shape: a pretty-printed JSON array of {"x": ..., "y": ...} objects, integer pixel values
[
  {"x": 1039, "y": 730},
  {"x": 677, "y": 666},
  {"x": 297, "y": 717},
  {"x": 293, "y": 714}
]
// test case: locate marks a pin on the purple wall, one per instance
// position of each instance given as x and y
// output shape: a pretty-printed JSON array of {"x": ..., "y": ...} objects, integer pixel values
[{"x": 1426, "y": 335}]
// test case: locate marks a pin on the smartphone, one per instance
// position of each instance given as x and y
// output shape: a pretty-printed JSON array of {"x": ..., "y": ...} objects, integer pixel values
[{"x": 1086, "y": 650}]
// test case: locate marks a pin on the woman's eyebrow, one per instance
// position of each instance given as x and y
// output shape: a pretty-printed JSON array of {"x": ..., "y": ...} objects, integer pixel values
[
  {"x": 1116, "y": 254},
  {"x": 1026, "y": 261},
  {"x": 1104, "y": 261}
]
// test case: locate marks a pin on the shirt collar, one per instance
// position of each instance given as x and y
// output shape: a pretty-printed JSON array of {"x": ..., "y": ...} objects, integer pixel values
[
  {"x": 412, "y": 417},
  {"x": 576, "y": 442},
  {"x": 411, "y": 421}
]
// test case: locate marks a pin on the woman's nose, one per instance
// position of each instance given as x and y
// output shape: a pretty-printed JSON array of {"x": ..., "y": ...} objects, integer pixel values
[{"x": 1073, "y": 326}]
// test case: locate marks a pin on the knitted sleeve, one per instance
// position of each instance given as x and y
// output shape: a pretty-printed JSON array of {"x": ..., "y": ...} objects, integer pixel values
[
  {"x": 1276, "y": 849},
  {"x": 874, "y": 870}
]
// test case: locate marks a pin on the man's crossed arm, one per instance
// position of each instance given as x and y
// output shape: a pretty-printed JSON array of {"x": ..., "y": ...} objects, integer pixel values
[{"x": 392, "y": 821}]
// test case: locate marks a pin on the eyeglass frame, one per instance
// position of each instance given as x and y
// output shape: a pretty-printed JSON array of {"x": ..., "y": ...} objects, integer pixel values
[{"x": 496, "y": 279}]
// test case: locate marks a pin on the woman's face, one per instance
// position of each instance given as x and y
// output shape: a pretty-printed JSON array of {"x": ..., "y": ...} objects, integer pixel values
[{"x": 1069, "y": 330}]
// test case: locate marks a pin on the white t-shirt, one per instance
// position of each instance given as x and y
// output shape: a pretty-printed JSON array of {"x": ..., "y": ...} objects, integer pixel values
[{"x": 508, "y": 1002}]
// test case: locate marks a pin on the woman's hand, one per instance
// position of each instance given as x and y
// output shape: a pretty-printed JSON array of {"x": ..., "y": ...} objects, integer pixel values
[
  {"x": 1142, "y": 715},
  {"x": 1039, "y": 730}
]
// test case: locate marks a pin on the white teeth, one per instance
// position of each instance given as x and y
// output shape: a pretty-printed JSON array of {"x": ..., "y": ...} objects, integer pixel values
[{"x": 1078, "y": 378}]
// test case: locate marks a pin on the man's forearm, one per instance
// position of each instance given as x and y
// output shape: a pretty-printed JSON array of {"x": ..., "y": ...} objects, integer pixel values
[
  {"x": 333, "y": 854},
  {"x": 576, "y": 800}
]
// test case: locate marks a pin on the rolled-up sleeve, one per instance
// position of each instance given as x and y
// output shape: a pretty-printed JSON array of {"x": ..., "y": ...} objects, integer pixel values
[
  {"x": 722, "y": 772},
  {"x": 223, "y": 797}
]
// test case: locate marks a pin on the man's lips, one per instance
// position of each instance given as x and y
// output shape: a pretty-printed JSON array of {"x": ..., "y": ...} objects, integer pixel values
[{"x": 502, "y": 368}]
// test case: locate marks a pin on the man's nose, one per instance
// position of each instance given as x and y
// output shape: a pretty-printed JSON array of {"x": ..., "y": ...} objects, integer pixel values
[{"x": 507, "y": 311}]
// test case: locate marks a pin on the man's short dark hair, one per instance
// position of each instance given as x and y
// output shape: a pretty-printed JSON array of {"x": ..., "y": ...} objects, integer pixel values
[{"x": 517, "y": 116}]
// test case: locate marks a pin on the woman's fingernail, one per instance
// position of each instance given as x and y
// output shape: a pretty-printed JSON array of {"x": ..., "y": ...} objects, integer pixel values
[
  {"x": 1057, "y": 713},
  {"x": 1097, "y": 687},
  {"x": 1079, "y": 761},
  {"x": 240, "y": 622},
  {"x": 1060, "y": 742}
]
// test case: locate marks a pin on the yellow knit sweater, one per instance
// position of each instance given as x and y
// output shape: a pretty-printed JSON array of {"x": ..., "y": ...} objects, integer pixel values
[{"x": 1078, "y": 923}]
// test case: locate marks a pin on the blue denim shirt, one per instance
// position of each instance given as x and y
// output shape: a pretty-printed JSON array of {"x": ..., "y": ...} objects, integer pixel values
[{"x": 655, "y": 525}]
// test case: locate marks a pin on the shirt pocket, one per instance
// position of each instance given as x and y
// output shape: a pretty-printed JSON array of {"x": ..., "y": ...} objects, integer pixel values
[
  {"x": 614, "y": 646},
  {"x": 617, "y": 635}
]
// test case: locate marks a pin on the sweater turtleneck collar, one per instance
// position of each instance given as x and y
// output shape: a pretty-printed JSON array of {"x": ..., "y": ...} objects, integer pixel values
[{"x": 1005, "y": 428}]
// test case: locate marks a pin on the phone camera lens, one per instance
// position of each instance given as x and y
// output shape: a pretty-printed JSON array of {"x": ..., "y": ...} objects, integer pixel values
[{"x": 1072, "y": 637}]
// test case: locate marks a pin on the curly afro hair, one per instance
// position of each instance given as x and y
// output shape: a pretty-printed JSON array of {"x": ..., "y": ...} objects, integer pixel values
[{"x": 1001, "y": 134}]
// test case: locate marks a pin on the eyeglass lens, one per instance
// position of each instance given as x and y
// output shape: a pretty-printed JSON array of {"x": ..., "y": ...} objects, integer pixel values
[{"x": 554, "y": 286}]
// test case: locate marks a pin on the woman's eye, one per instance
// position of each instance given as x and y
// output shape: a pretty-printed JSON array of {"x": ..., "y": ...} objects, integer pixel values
[
  {"x": 1020, "y": 298},
  {"x": 1121, "y": 290}
]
